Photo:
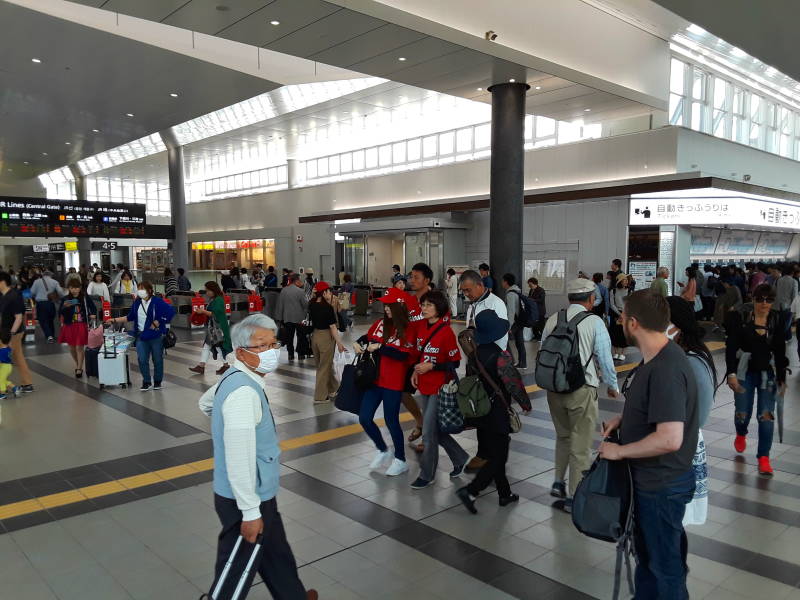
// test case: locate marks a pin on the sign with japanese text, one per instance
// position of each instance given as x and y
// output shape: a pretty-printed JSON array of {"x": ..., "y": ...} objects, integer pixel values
[{"x": 717, "y": 210}]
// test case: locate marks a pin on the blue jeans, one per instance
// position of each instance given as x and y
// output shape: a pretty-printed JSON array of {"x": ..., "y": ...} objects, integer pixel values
[
  {"x": 391, "y": 413},
  {"x": 45, "y": 314},
  {"x": 144, "y": 350},
  {"x": 660, "y": 540},
  {"x": 765, "y": 408}
]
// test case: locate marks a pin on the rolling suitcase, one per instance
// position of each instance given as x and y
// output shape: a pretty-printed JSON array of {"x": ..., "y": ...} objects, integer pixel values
[
  {"x": 222, "y": 589},
  {"x": 91, "y": 361},
  {"x": 112, "y": 360}
]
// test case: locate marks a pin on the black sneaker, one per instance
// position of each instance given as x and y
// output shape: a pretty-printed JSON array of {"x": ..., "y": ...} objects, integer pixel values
[
  {"x": 420, "y": 483},
  {"x": 27, "y": 389},
  {"x": 559, "y": 490},
  {"x": 156, "y": 387},
  {"x": 145, "y": 387},
  {"x": 568, "y": 506},
  {"x": 467, "y": 500},
  {"x": 506, "y": 500}
]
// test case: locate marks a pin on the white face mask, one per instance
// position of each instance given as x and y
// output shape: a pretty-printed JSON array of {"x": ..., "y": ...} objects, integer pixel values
[
  {"x": 672, "y": 331},
  {"x": 142, "y": 294},
  {"x": 267, "y": 360}
]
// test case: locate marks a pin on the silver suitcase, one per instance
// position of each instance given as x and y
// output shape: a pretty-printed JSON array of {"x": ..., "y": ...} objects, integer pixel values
[{"x": 112, "y": 360}]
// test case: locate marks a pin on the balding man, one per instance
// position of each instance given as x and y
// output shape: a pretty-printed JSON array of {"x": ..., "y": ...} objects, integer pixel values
[
  {"x": 659, "y": 285},
  {"x": 247, "y": 467}
]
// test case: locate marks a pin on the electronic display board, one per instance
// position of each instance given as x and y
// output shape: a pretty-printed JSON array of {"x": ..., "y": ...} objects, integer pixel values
[{"x": 38, "y": 217}]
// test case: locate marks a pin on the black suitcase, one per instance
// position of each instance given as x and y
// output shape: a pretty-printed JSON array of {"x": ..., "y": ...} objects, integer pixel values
[
  {"x": 235, "y": 588},
  {"x": 90, "y": 365}
]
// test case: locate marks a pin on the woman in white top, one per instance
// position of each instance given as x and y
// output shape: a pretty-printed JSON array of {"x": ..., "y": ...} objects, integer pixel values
[
  {"x": 451, "y": 284},
  {"x": 97, "y": 287},
  {"x": 126, "y": 284}
]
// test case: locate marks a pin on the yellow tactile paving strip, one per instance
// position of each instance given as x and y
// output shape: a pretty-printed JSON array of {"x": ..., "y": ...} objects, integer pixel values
[{"x": 16, "y": 509}]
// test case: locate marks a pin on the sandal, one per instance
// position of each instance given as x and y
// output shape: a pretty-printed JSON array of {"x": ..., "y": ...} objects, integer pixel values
[
  {"x": 78, "y": 373},
  {"x": 416, "y": 433}
]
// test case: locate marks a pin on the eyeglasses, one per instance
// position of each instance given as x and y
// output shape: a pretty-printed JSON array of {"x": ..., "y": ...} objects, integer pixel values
[
  {"x": 765, "y": 299},
  {"x": 262, "y": 347}
]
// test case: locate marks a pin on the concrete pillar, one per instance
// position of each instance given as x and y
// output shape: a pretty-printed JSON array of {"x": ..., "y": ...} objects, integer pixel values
[
  {"x": 296, "y": 175},
  {"x": 177, "y": 196},
  {"x": 507, "y": 180},
  {"x": 84, "y": 243}
]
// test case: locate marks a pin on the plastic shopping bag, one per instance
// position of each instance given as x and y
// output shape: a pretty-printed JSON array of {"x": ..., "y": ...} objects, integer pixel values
[{"x": 340, "y": 359}]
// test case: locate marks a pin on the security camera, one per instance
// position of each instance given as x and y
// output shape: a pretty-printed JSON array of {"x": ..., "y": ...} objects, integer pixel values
[
  {"x": 746, "y": 177},
  {"x": 490, "y": 36}
]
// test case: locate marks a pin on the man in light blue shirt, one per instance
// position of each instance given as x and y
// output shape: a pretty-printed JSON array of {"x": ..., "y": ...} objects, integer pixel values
[
  {"x": 45, "y": 307},
  {"x": 575, "y": 414}
]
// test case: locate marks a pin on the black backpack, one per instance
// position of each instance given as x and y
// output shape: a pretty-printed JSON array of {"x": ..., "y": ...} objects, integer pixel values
[{"x": 528, "y": 314}]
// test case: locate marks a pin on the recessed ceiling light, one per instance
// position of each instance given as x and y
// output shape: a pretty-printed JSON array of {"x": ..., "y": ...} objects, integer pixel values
[
  {"x": 36, "y": 60},
  {"x": 128, "y": 114},
  {"x": 587, "y": 110},
  {"x": 480, "y": 89},
  {"x": 96, "y": 130},
  {"x": 68, "y": 143},
  {"x": 538, "y": 87},
  {"x": 11, "y": 170},
  {"x": 275, "y": 23},
  {"x": 402, "y": 58},
  {"x": 512, "y": 80},
  {"x": 174, "y": 95},
  {"x": 25, "y": 162},
  {"x": 44, "y": 153}
]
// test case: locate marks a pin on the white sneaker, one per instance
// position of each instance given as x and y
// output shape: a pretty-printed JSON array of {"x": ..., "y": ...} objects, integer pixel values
[
  {"x": 396, "y": 468},
  {"x": 380, "y": 458}
]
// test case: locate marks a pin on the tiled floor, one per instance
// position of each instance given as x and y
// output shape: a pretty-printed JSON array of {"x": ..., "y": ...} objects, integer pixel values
[{"x": 357, "y": 534}]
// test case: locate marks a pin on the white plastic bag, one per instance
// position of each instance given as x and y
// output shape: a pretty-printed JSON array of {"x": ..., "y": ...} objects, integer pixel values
[
  {"x": 340, "y": 359},
  {"x": 527, "y": 334}
]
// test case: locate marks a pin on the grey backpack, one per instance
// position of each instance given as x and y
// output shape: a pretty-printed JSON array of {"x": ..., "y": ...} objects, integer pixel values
[{"x": 559, "y": 367}]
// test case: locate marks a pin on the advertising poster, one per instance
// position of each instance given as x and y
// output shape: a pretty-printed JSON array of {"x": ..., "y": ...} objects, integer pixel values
[{"x": 644, "y": 272}]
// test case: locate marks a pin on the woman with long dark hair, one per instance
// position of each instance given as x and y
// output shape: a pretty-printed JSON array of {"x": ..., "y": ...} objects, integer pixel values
[
  {"x": 217, "y": 320},
  {"x": 684, "y": 331},
  {"x": 77, "y": 310},
  {"x": 392, "y": 339},
  {"x": 618, "y": 294},
  {"x": 324, "y": 341},
  {"x": 755, "y": 354}
]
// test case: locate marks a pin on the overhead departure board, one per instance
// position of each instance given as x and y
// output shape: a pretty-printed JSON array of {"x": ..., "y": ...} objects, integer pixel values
[{"x": 36, "y": 217}]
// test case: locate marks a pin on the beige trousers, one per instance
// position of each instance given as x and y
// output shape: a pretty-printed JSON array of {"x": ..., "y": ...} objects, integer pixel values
[
  {"x": 323, "y": 346},
  {"x": 575, "y": 419}
]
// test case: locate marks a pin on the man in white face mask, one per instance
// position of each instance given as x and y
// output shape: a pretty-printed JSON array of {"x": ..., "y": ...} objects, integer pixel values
[{"x": 246, "y": 464}]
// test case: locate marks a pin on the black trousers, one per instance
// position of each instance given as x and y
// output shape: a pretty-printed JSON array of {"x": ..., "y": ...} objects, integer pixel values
[
  {"x": 517, "y": 335},
  {"x": 303, "y": 346},
  {"x": 277, "y": 566},
  {"x": 493, "y": 447}
]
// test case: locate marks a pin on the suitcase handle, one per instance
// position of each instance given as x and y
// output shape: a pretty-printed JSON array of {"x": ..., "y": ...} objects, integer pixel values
[{"x": 237, "y": 592}]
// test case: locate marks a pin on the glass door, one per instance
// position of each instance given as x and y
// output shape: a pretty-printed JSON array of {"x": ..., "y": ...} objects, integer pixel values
[
  {"x": 354, "y": 262},
  {"x": 416, "y": 249}
]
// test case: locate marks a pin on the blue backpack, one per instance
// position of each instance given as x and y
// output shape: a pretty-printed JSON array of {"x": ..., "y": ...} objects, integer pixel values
[{"x": 528, "y": 314}]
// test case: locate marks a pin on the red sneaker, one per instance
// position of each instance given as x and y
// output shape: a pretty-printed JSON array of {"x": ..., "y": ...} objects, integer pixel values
[
  {"x": 764, "y": 468},
  {"x": 740, "y": 443}
]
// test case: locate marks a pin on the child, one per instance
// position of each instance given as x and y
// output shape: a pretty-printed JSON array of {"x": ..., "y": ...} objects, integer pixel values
[{"x": 5, "y": 365}]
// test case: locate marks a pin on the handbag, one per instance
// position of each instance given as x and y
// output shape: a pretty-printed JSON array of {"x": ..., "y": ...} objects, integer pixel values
[
  {"x": 95, "y": 339},
  {"x": 215, "y": 335},
  {"x": 52, "y": 296},
  {"x": 170, "y": 339},
  {"x": 448, "y": 416},
  {"x": 348, "y": 396},
  {"x": 367, "y": 368}
]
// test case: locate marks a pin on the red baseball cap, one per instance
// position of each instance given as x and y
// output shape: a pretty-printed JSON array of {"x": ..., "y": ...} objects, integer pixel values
[
  {"x": 321, "y": 286},
  {"x": 393, "y": 295}
]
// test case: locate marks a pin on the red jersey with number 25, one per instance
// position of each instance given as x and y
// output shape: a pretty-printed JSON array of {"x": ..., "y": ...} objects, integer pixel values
[{"x": 441, "y": 348}]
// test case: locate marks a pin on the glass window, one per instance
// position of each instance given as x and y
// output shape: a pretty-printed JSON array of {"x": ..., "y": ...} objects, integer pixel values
[
  {"x": 359, "y": 160},
  {"x": 720, "y": 93},
  {"x": 283, "y": 174},
  {"x": 755, "y": 108},
  {"x": 676, "y": 77},
  {"x": 446, "y": 143},
  {"x": 238, "y": 181},
  {"x": 697, "y": 113},
  {"x": 322, "y": 167},
  {"x": 464, "y": 140},
  {"x": 399, "y": 153},
  {"x": 346, "y": 162},
  {"x": 414, "y": 149},
  {"x": 333, "y": 164},
  {"x": 483, "y": 133},
  {"x": 311, "y": 169},
  {"x": 545, "y": 127},
  {"x": 429, "y": 146},
  {"x": 272, "y": 176},
  {"x": 698, "y": 84},
  {"x": 371, "y": 158},
  {"x": 385, "y": 155}
]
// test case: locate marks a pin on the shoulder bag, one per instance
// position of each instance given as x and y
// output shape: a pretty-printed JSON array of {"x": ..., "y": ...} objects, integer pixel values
[{"x": 515, "y": 423}]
